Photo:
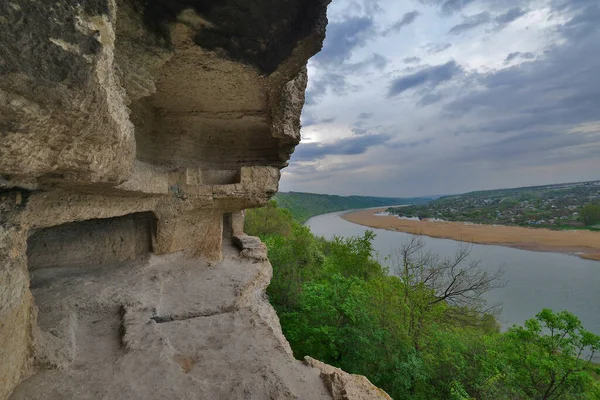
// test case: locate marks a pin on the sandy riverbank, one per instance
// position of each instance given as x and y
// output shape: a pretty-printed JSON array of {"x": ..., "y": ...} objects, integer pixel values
[{"x": 585, "y": 244}]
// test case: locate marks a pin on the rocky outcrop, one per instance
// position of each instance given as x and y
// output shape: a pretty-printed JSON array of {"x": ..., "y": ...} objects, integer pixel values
[
  {"x": 133, "y": 134},
  {"x": 167, "y": 326},
  {"x": 344, "y": 386},
  {"x": 250, "y": 247}
]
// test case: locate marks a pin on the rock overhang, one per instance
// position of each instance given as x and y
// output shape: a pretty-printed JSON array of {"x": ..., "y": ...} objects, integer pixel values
[
  {"x": 177, "y": 84},
  {"x": 262, "y": 33},
  {"x": 137, "y": 126}
]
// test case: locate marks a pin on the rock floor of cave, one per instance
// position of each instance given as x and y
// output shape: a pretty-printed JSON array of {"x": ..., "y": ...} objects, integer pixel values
[{"x": 165, "y": 327}]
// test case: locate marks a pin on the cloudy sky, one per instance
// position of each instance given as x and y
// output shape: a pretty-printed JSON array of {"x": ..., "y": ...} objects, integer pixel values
[{"x": 420, "y": 97}]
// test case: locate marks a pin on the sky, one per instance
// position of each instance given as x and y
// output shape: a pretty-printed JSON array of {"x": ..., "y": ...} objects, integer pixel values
[{"x": 426, "y": 97}]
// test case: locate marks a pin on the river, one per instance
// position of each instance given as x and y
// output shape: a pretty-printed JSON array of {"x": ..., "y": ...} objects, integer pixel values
[{"x": 534, "y": 280}]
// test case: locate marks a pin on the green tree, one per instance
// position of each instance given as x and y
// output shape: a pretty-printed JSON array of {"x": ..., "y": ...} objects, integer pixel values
[
  {"x": 268, "y": 220},
  {"x": 337, "y": 322},
  {"x": 590, "y": 214},
  {"x": 422, "y": 332},
  {"x": 441, "y": 289},
  {"x": 352, "y": 256},
  {"x": 548, "y": 358},
  {"x": 296, "y": 259}
]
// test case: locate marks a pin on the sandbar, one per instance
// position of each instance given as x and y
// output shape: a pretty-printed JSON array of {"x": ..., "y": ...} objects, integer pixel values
[{"x": 585, "y": 244}]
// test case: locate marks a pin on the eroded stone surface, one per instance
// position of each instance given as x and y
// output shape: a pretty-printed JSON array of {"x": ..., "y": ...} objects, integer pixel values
[
  {"x": 183, "y": 111},
  {"x": 172, "y": 326},
  {"x": 250, "y": 247},
  {"x": 345, "y": 386}
]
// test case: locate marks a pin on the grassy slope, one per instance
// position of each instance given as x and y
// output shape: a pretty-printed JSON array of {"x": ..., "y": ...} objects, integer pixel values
[{"x": 306, "y": 205}]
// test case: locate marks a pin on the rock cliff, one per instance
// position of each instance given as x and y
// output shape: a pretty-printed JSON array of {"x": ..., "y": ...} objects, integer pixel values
[{"x": 133, "y": 134}]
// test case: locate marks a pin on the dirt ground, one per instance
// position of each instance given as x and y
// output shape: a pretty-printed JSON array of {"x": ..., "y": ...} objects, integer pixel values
[{"x": 585, "y": 244}]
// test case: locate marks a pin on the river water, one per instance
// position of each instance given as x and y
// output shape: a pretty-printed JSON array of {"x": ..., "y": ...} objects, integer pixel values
[{"x": 535, "y": 280}]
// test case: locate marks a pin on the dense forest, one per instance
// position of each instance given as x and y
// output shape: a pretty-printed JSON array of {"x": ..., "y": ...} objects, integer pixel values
[
  {"x": 420, "y": 328},
  {"x": 306, "y": 205}
]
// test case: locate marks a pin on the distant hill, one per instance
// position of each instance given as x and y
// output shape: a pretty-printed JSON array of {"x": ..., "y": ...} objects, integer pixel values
[
  {"x": 550, "y": 206},
  {"x": 306, "y": 205}
]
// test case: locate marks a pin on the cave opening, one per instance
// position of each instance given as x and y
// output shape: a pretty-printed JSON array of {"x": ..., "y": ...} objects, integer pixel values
[
  {"x": 92, "y": 242},
  {"x": 227, "y": 228}
]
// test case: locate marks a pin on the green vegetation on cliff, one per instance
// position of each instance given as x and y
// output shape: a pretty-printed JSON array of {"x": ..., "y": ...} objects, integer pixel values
[
  {"x": 306, "y": 205},
  {"x": 419, "y": 330}
]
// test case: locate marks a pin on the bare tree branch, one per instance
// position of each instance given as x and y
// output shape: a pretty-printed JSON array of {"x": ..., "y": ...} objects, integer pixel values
[{"x": 458, "y": 281}]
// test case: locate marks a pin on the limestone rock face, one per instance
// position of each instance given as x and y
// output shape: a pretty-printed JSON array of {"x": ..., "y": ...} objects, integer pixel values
[
  {"x": 250, "y": 247},
  {"x": 164, "y": 327},
  {"x": 62, "y": 109},
  {"x": 345, "y": 386},
  {"x": 133, "y": 134}
]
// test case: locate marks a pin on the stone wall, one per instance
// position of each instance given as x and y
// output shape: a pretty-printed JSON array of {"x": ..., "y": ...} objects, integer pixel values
[{"x": 109, "y": 108}]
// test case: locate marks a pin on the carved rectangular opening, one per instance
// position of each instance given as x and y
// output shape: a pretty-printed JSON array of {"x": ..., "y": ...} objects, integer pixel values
[
  {"x": 227, "y": 227},
  {"x": 92, "y": 242},
  {"x": 199, "y": 139},
  {"x": 221, "y": 177}
]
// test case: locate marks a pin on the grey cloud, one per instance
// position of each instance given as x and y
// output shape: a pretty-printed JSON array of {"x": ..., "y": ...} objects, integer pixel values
[
  {"x": 372, "y": 7},
  {"x": 362, "y": 120},
  {"x": 572, "y": 5},
  {"x": 585, "y": 21},
  {"x": 434, "y": 48},
  {"x": 517, "y": 55},
  {"x": 357, "y": 144},
  {"x": 411, "y": 144},
  {"x": 452, "y": 6},
  {"x": 302, "y": 171},
  {"x": 368, "y": 7},
  {"x": 411, "y": 60},
  {"x": 506, "y": 125},
  {"x": 301, "y": 168},
  {"x": 376, "y": 60},
  {"x": 530, "y": 107},
  {"x": 308, "y": 119},
  {"x": 510, "y": 16},
  {"x": 309, "y": 172},
  {"x": 429, "y": 99},
  {"x": 406, "y": 20},
  {"x": 470, "y": 22},
  {"x": 507, "y": 120},
  {"x": 448, "y": 7},
  {"x": 343, "y": 37},
  {"x": 315, "y": 93},
  {"x": 539, "y": 101},
  {"x": 535, "y": 147},
  {"x": 336, "y": 83},
  {"x": 430, "y": 77}
]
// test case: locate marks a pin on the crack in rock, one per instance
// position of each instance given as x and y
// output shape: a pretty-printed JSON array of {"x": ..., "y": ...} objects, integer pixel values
[{"x": 202, "y": 314}]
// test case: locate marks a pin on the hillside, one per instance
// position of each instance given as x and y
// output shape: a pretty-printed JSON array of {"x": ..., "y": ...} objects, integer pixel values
[
  {"x": 551, "y": 206},
  {"x": 420, "y": 329},
  {"x": 306, "y": 205}
]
